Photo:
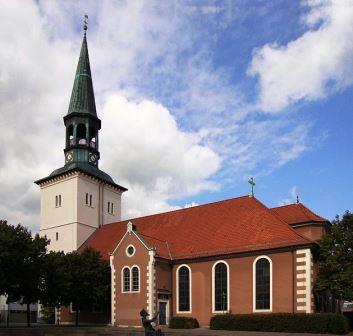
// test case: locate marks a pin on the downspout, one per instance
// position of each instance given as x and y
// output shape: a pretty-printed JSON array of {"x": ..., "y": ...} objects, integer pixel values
[
  {"x": 294, "y": 281},
  {"x": 112, "y": 289},
  {"x": 100, "y": 204},
  {"x": 151, "y": 279}
]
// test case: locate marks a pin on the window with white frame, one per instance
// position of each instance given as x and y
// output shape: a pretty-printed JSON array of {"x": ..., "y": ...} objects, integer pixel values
[
  {"x": 130, "y": 250},
  {"x": 126, "y": 279},
  {"x": 130, "y": 278},
  {"x": 220, "y": 287},
  {"x": 183, "y": 289},
  {"x": 135, "y": 275},
  {"x": 262, "y": 284}
]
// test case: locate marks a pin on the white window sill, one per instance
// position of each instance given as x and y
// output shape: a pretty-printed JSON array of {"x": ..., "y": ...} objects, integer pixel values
[{"x": 262, "y": 311}]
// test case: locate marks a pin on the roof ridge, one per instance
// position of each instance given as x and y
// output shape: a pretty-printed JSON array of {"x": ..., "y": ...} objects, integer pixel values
[
  {"x": 184, "y": 209},
  {"x": 285, "y": 205}
]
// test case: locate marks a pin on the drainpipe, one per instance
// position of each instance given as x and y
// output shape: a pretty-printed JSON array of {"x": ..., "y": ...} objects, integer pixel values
[
  {"x": 294, "y": 281},
  {"x": 100, "y": 204}
]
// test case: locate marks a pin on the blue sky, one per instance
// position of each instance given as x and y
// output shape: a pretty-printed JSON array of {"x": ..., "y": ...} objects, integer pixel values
[{"x": 194, "y": 96}]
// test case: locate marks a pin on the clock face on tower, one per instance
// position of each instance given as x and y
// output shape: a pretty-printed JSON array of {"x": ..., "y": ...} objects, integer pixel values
[
  {"x": 92, "y": 158},
  {"x": 69, "y": 157}
]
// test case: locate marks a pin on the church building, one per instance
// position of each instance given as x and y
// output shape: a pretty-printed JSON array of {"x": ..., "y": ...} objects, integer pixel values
[{"x": 235, "y": 255}]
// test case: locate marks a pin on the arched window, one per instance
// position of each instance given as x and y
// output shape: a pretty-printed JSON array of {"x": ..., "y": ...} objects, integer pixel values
[
  {"x": 70, "y": 134},
  {"x": 126, "y": 279},
  {"x": 81, "y": 134},
  {"x": 92, "y": 137},
  {"x": 220, "y": 287},
  {"x": 184, "y": 289},
  {"x": 135, "y": 279},
  {"x": 262, "y": 284}
]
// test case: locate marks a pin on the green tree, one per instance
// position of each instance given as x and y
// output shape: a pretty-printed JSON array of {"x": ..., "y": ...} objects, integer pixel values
[
  {"x": 335, "y": 259},
  {"x": 89, "y": 280},
  {"x": 55, "y": 280},
  {"x": 3, "y": 257},
  {"x": 21, "y": 257},
  {"x": 32, "y": 266}
]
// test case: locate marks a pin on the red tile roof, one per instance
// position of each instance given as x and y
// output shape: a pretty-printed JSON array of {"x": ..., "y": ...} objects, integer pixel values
[
  {"x": 296, "y": 213},
  {"x": 235, "y": 225}
]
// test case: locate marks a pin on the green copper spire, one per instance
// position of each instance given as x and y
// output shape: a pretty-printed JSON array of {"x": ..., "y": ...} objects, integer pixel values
[{"x": 82, "y": 97}]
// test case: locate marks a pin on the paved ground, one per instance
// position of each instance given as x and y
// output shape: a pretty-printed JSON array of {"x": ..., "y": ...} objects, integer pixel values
[{"x": 109, "y": 331}]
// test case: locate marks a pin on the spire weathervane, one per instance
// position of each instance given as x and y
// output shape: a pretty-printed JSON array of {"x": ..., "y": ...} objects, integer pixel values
[
  {"x": 298, "y": 201},
  {"x": 252, "y": 184},
  {"x": 85, "y": 17}
]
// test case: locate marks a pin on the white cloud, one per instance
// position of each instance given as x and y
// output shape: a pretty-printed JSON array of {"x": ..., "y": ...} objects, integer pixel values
[
  {"x": 147, "y": 152},
  {"x": 293, "y": 192},
  {"x": 173, "y": 124},
  {"x": 190, "y": 205},
  {"x": 310, "y": 67},
  {"x": 142, "y": 146}
]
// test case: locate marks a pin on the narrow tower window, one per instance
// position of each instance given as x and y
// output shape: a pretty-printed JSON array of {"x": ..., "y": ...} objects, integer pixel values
[
  {"x": 57, "y": 236},
  {"x": 88, "y": 199},
  {"x": 92, "y": 137},
  {"x": 70, "y": 133},
  {"x": 58, "y": 201},
  {"x": 81, "y": 134},
  {"x": 111, "y": 208}
]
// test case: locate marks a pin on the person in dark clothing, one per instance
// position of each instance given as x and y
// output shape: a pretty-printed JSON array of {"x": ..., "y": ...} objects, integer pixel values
[{"x": 147, "y": 324}]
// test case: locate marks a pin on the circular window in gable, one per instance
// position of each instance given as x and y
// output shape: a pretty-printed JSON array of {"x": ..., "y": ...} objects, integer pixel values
[{"x": 130, "y": 251}]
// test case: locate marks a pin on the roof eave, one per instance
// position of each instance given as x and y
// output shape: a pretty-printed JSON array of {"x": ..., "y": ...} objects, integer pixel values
[
  {"x": 52, "y": 177},
  {"x": 312, "y": 223},
  {"x": 244, "y": 253}
]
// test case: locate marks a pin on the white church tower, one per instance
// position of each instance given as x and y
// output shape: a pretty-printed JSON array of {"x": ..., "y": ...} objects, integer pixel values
[{"x": 78, "y": 198}]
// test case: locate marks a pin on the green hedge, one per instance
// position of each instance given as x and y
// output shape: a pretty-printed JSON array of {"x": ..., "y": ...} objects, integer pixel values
[
  {"x": 298, "y": 323},
  {"x": 179, "y": 322}
]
